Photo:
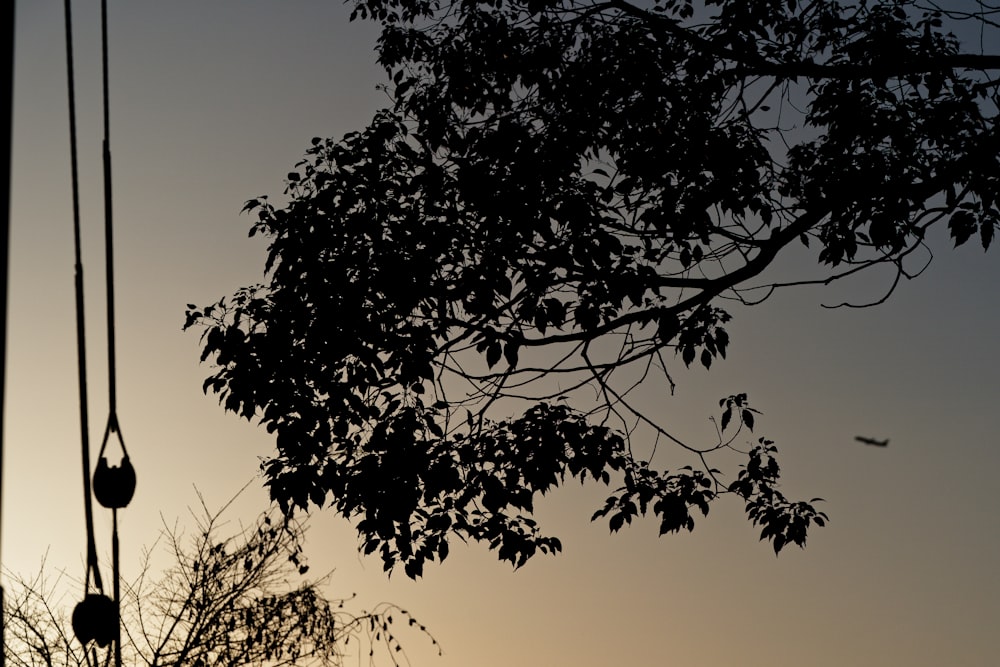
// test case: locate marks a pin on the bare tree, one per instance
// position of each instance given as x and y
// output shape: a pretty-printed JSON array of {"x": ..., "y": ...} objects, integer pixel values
[{"x": 226, "y": 598}]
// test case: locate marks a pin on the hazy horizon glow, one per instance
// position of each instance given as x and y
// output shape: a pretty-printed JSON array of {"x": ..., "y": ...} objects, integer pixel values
[{"x": 213, "y": 104}]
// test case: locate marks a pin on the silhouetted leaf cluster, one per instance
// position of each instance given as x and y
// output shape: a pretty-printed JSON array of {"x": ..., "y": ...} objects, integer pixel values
[
  {"x": 563, "y": 195},
  {"x": 784, "y": 522}
]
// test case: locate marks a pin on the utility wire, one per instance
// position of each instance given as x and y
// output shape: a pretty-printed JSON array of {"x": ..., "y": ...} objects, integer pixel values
[
  {"x": 109, "y": 257},
  {"x": 112, "y": 426},
  {"x": 81, "y": 339}
]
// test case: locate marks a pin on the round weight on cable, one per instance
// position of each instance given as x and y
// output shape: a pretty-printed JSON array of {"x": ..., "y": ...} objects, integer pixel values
[
  {"x": 114, "y": 486},
  {"x": 94, "y": 619}
]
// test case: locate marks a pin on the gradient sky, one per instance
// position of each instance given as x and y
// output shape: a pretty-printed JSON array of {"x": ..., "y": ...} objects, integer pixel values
[{"x": 212, "y": 103}]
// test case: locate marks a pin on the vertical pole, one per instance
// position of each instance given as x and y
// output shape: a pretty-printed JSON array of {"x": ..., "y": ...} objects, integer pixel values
[{"x": 6, "y": 120}]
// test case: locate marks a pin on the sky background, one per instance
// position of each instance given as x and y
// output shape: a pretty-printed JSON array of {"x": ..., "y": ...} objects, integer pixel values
[{"x": 212, "y": 103}]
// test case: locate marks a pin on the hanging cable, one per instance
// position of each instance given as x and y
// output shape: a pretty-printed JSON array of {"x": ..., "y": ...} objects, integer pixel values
[
  {"x": 81, "y": 341},
  {"x": 108, "y": 236},
  {"x": 109, "y": 261},
  {"x": 95, "y": 617},
  {"x": 125, "y": 469},
  {"x": 123, "y": 477}
]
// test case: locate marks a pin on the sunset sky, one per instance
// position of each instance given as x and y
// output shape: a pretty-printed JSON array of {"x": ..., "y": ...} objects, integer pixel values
[{"x": 212, "y": 103}]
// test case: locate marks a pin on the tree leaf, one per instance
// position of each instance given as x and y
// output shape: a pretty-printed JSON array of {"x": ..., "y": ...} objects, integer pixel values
[
  {"x": 510, "y": 351},
  {"x": 493, "y": 353},
  {"x": 986, "y": 230}
]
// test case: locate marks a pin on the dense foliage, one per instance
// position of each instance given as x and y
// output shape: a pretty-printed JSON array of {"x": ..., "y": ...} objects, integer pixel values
[{"x": 563, "y": 196}]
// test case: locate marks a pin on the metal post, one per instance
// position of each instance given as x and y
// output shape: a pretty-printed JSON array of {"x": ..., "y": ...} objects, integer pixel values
[{"x": 6, "y": 119}]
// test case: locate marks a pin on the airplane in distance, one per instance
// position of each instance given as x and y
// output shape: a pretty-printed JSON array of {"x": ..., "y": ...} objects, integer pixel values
[{"x": 872, "y": 441}]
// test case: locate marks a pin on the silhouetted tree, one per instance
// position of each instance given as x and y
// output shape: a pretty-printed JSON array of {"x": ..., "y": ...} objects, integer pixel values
[
  {"x": 222, "y": 600},
  {"x": 563, "y": 196}
]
